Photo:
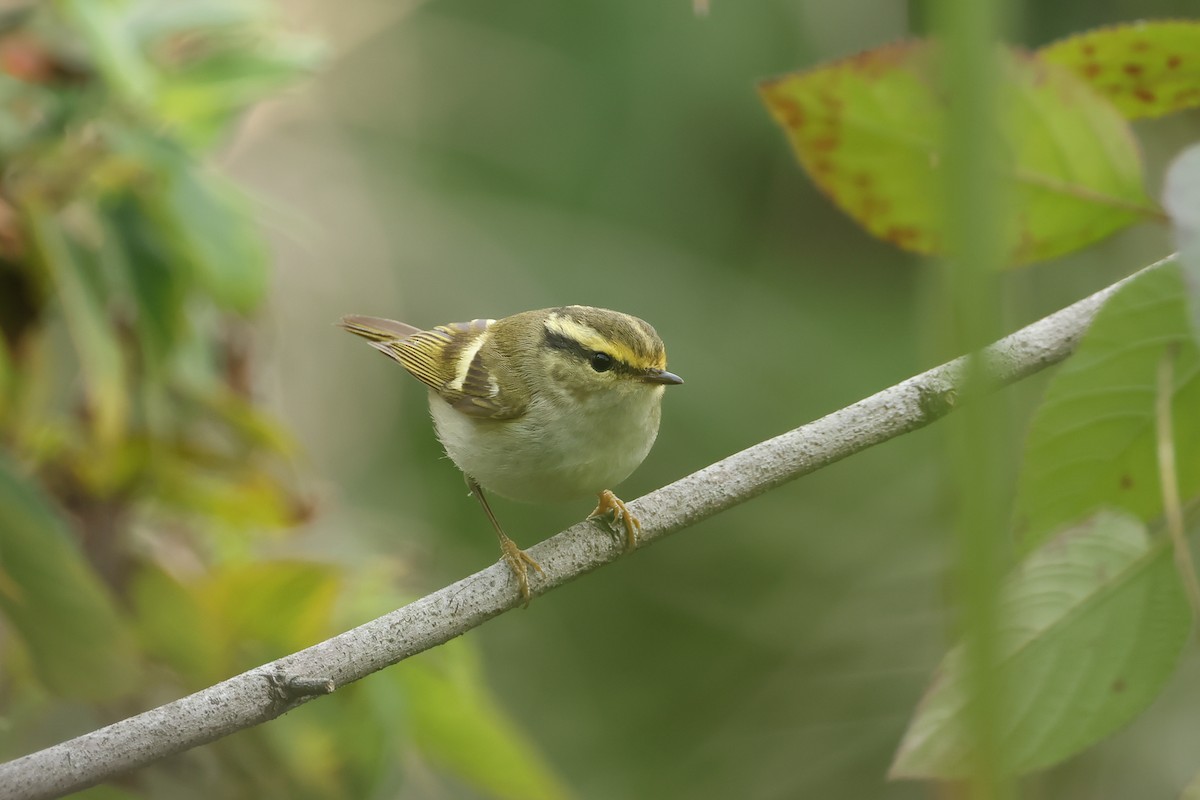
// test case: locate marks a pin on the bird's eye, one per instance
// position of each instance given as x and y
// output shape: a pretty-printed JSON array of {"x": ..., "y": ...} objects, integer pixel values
[{"x": 601, "y": 362}]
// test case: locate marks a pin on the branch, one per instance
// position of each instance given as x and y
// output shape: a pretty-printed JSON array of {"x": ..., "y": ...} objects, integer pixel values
[{"x": 266, "y": 692}]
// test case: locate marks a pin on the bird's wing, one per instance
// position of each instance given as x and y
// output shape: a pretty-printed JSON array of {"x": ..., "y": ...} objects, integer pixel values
[{"x": 445, "y": 358}]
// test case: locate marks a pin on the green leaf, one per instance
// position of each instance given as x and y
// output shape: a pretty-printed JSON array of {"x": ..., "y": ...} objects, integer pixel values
[
  {"x": 235, "y": 617},
  {"x": 176, "y": 628},
  {"x": 351, "y": 745},
  {"x": 201, "y": 98},
  {"x": 1092, "y": 441},
  {"x": 1145, "y": 69},
  {"x": 1181, "y": 198},
  {"x": 205, "y": 222},
  {"x": 29, "y": 111},
  {"x": 1092, "y": 625},
  {"x": 1192, "y": 790},
  {"x": 439, "y": 704},
  {"x": 867, "y": 129},
  {"x": 106, "y": 792},
  {"x": 458, "y": 725},
  {"x": 157, "y": 20},
  {"x": 282, "y": 606},
  {"x": 158, "y": 287},
  {"x": 248, "y": 424},
  {"x": 87, "y": 319},
  {"x": 8, "y": 380},
  {"x": 105, "y": 26},
  {"x": 54, "y": 602},
  {"x": 245, "y": 497}
]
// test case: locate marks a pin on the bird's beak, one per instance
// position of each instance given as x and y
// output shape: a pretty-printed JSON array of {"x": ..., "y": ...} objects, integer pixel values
[{"x": 661, "y": 376}]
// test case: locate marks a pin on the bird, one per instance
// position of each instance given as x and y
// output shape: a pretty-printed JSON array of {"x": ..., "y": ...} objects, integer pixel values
[{"x": 542, "y": 406}]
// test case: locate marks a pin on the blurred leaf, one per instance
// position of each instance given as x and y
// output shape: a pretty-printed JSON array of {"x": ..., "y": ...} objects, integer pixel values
[
  {"x": 8, "y": 378},
  {"x": 54, "y": 601},
  {"x": 204, "y": 222},
  {"x": 159, "y": 20},
  {"x": 107, "y": 792},
  {"x": 437, "y": 703},
  {"x": 284, "y": 605},
  {"x": 1146, "y": 69},
  {"x": 251, "y": 425},
  {"x": 157, "y": 287},
  {"x": 314, "y": 750},
  {"x": 203, "y": 96},
  {"x": 242, "y": 497},
  {"x": 456, "y": 723},
  {"x": 104, "y": 471},
  {"x": 105, "y": 25},
  {"x": 29, "y": 111},
  {"x": 1092, "y": 625},
  {"x": 349, "y": 746},
  {"x": 1181, "y": 198},
  {"x": 1192, "y": 790},
  {"x": 24, "y": 58},
  {"x": 1092, "y": 441},
  {"x": 867, "y": 129},
  {"x": 88, "y": 322},
  {"x": 177, "y": 629}
]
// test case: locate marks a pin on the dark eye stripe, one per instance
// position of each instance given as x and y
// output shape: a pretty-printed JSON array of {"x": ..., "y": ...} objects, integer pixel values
[
  {"x": 560, "y": 342},
  {"x": 565, "y": 343}
]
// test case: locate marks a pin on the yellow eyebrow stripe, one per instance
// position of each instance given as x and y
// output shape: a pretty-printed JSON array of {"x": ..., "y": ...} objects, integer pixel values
[{"x": 591, "y": 339}]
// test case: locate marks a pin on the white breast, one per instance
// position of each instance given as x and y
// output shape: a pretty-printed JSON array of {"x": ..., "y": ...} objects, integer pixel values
[{"x": 547, "y": 455}]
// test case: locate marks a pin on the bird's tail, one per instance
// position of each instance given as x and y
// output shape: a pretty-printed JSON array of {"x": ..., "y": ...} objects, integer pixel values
[{"x": 377, "y": 329}]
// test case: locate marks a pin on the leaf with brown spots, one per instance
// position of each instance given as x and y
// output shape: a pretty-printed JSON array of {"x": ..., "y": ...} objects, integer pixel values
[
  {"x": 1092, "y": 443},
  {"x": 867, "y": 130},
  {"x": 1147, "y": 69}
]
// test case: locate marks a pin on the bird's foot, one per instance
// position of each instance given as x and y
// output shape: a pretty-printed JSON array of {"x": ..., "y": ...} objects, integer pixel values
[
  {"x": 519, "y": 562},
  {"x": 611, "y": 510}
]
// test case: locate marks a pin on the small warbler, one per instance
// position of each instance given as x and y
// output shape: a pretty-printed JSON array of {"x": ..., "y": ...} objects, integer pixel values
[{"x": 541, "y": 406}]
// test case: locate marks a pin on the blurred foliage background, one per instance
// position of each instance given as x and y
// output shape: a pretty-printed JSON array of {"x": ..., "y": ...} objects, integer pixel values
[{"x": 201, "y": 473}]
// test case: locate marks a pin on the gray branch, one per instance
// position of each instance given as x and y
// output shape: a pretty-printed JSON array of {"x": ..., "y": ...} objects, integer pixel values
[{"x": 270, "y": 690}]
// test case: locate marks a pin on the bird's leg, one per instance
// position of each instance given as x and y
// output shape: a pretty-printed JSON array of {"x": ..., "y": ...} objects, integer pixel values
[
  {"x": 517, "y": 559},
  {"x": 612, "y": 510}
]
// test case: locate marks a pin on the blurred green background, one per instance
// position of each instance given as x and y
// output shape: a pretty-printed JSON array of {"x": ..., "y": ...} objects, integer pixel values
[{"x": 460, "y": 159}]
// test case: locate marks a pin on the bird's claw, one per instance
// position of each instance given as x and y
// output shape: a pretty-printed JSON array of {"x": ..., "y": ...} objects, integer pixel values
[
  {"x": 613, "y": 511},
  {"x": 519, "y": 562}
]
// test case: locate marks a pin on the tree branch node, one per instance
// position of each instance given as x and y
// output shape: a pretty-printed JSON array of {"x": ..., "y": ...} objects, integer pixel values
[{"x": 289, "y": 691}]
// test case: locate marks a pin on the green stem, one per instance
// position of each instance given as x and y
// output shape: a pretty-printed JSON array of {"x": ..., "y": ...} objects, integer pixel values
[
  {"x": 974, "y": 205},
  {"x": 1168, "y": 478}
]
